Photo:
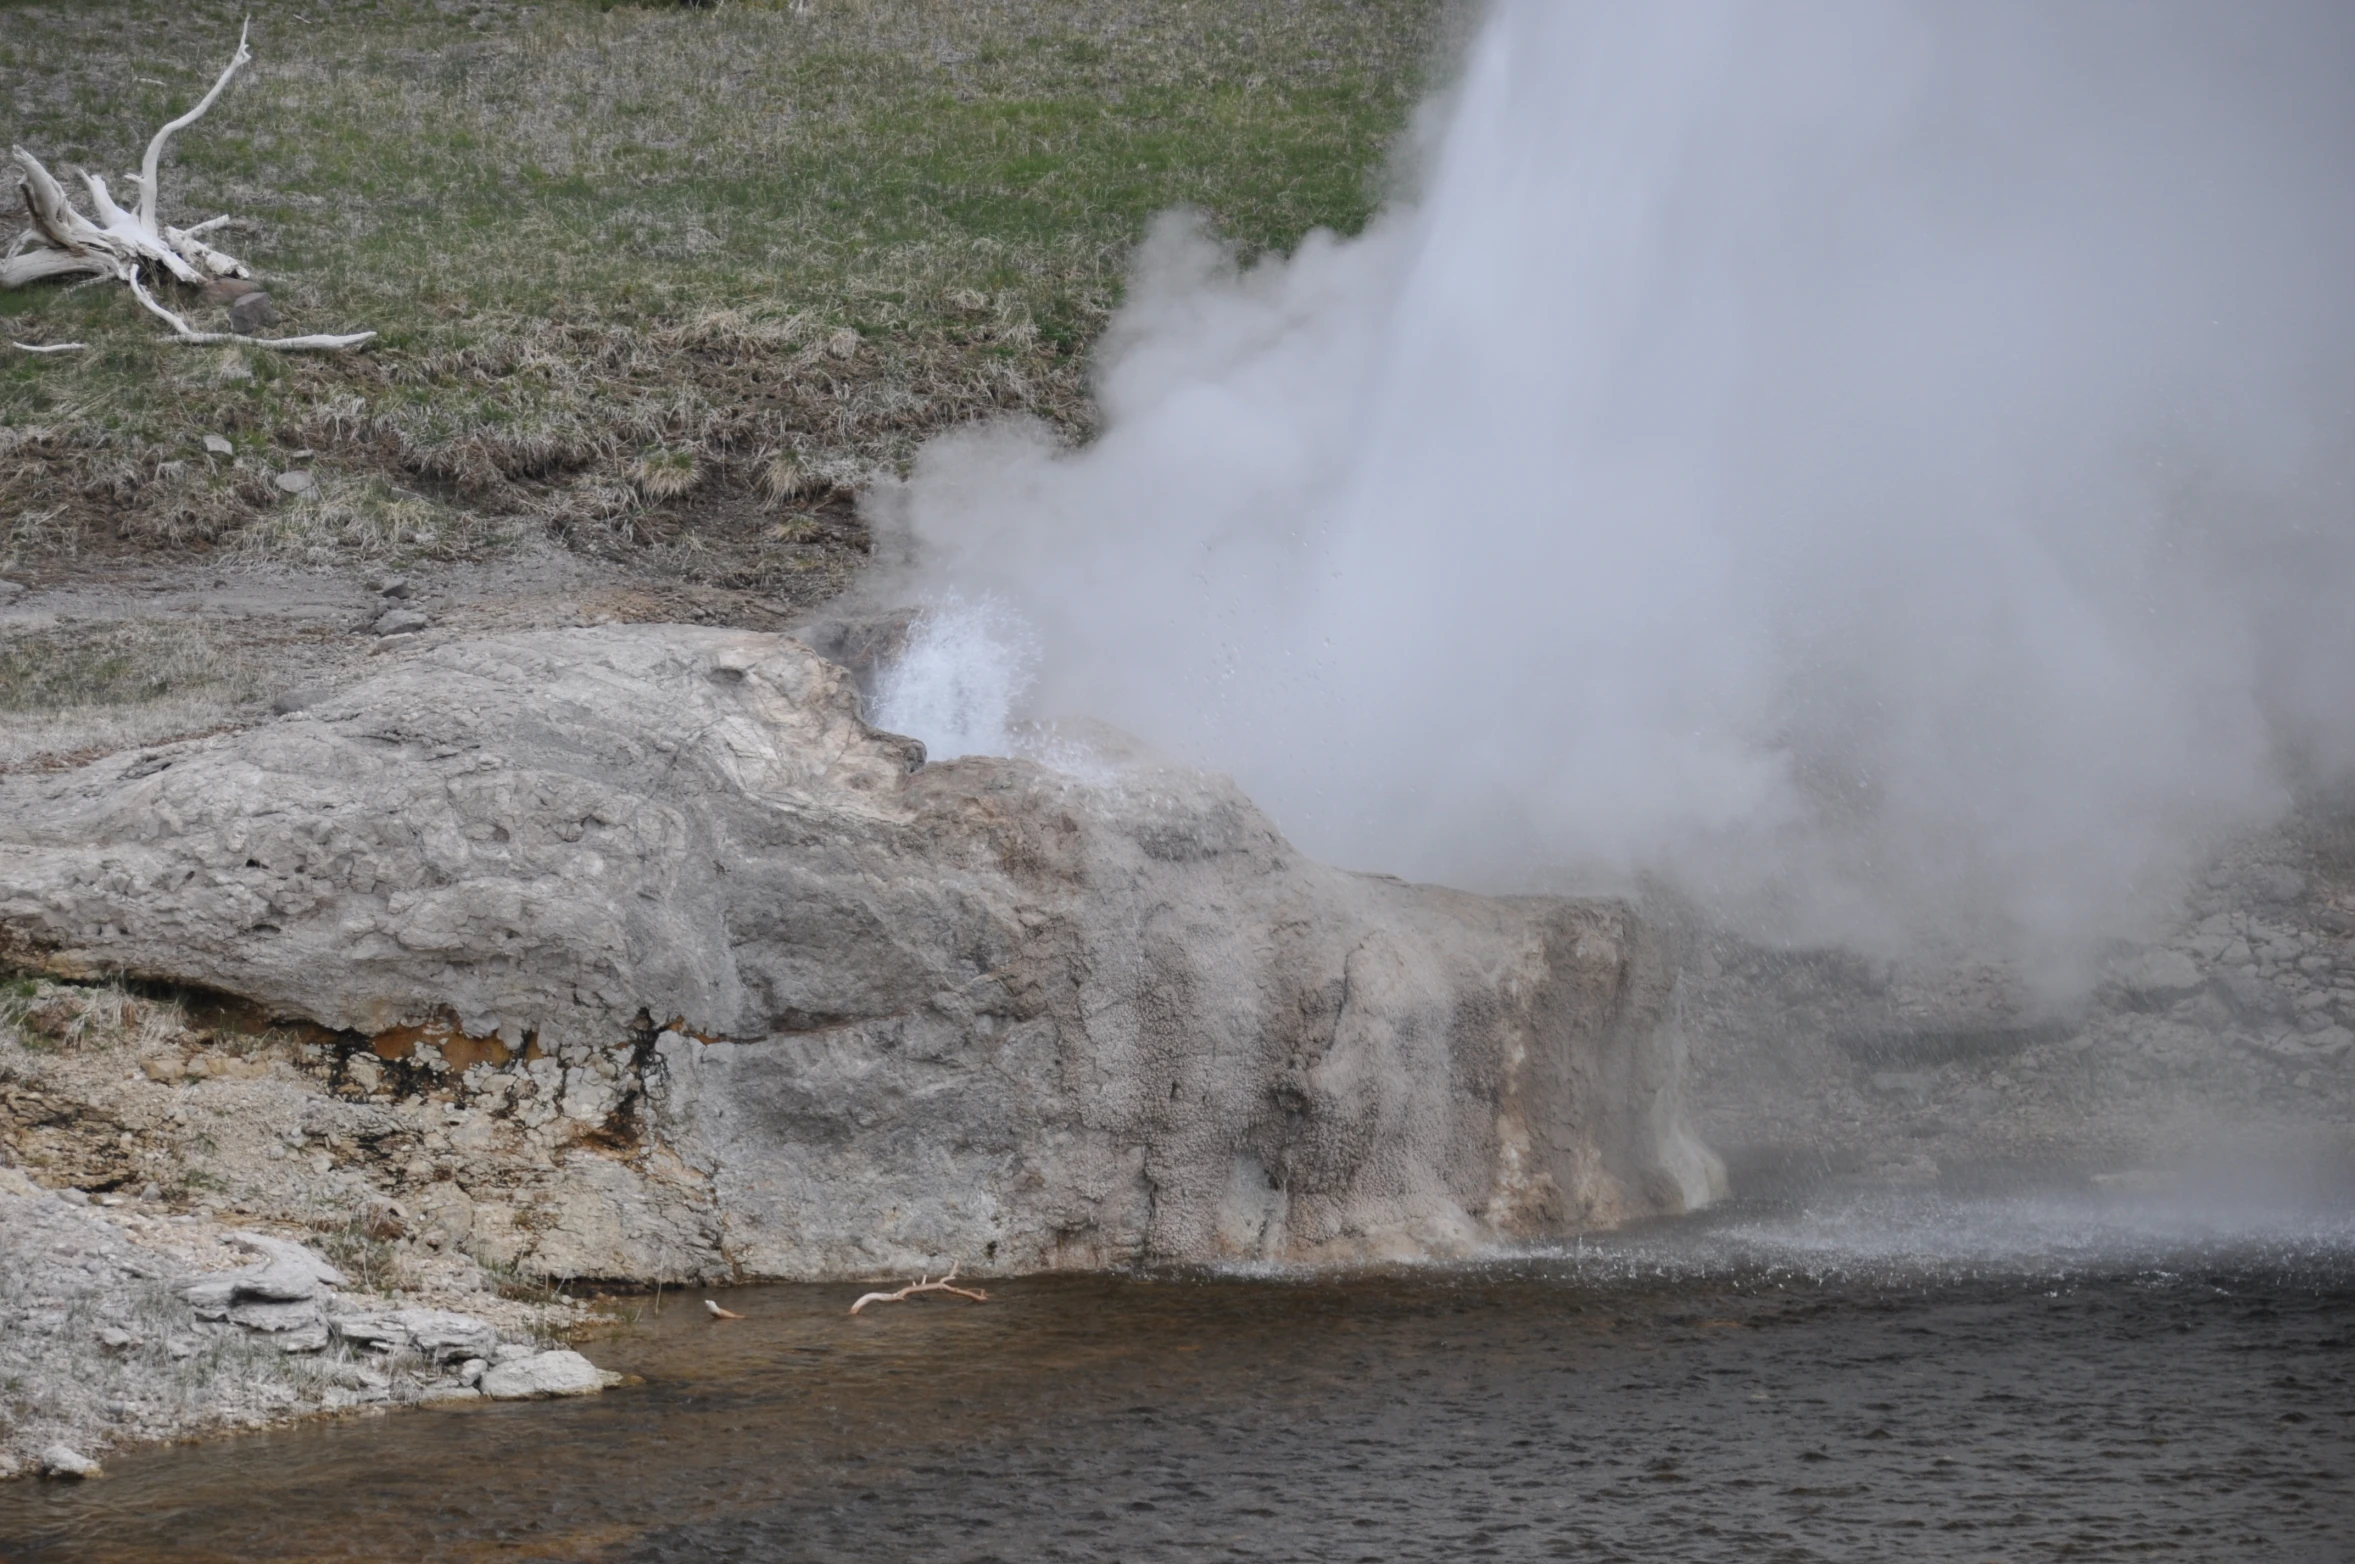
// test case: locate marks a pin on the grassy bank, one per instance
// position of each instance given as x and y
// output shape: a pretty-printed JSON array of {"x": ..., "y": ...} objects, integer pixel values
[{"x": 648, "y": 277}]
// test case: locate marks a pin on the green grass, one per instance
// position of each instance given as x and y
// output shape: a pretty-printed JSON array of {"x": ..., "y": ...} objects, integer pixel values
[{"x": 603, "y": 243}]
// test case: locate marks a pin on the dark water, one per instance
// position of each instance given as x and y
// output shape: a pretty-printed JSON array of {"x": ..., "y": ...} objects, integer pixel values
[{"x": 1997, "y": 1382}]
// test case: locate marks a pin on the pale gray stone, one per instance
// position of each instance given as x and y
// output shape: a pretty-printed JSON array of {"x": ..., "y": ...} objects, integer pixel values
[
  {"x": 63, "y": 1460},
  {"x": 311, "y": 1338},
  {"x": 287, "y": 1273},
  {"x": 296, "y": 482},
  {"x": 2272, "y": 882},
  {"x": 986, "y": 1010},
  {"x": 2159, "y": 977},
  {"x": 400, "y": 621},
  {"x": 441, "y": 1335},
  {"x": 2254, "y": 998},
  {"x": 274, "y": 1317},
  {"x": 251, "y": 312},
  {"x": 543, "y": 1374}
]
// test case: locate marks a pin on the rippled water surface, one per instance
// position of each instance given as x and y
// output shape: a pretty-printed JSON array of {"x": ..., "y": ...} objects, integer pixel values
[{"x": 2004, "y": 1381}]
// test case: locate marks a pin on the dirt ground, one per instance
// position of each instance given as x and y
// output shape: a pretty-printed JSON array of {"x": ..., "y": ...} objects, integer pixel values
[{"x": 99, "y": 655}]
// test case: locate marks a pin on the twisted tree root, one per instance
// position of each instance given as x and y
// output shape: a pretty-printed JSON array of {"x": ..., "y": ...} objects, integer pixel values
[{"x": 118, "y": 244}]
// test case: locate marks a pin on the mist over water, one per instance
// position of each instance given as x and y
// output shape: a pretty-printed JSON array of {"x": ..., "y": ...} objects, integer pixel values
[{"x": 1883, "y": 467}]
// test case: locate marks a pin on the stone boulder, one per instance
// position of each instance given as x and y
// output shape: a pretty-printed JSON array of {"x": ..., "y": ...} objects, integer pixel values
[
  {"x": 437, "y": 1335},
  {"x": 868, "y": 1014},
  {"x": 542, "y": 1375}
]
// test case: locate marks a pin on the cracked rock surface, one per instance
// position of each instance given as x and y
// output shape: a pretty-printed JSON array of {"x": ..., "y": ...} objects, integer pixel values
[{"x": 633, "y": 952}]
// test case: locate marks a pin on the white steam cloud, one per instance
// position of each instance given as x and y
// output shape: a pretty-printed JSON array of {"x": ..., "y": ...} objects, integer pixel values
[
  {"x": 957, "y": 681},
  {"x": 1883, "y": 466}
]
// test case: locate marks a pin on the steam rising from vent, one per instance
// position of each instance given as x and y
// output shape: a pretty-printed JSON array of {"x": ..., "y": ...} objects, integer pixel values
[
  {"x": 956, "y": 682},
  {"x": 1883, "y": 466}
]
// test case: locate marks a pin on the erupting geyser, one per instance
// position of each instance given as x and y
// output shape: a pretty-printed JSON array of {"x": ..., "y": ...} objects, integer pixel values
[{"x": 1884, "y": 466}]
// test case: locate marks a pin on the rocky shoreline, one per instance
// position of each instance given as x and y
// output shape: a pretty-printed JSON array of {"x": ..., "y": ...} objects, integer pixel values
[
  {"x": 631, "y": 955},
  {"x": 123, "y": 1321}
]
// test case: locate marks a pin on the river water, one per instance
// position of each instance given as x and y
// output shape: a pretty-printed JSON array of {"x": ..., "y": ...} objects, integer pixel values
[{"x": 1870, "y": 1379}]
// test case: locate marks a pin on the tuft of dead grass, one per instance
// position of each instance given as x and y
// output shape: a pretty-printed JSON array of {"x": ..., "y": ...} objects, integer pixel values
[{"x": 75, "y": 689}]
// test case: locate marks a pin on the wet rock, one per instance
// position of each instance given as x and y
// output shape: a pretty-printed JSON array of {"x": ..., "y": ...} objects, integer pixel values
[
  {"x": 63, "y": 1460},
  {"x": 542, "y": 1375}
]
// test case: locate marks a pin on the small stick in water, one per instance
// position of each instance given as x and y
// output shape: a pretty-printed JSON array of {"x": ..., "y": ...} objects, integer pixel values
[
  {"x": 719, "y": 1313},
  {"x": 922, "y": 1284}
]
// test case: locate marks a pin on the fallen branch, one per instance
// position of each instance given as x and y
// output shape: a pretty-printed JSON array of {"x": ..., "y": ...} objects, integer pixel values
[
  {"x": 922, "y": 1284},
  {"x": 189, "y": 334},
  {"x": 48, "y": 347},
  {"x": 719, "y": 1313},
  {"x": 119, "y": 244}
]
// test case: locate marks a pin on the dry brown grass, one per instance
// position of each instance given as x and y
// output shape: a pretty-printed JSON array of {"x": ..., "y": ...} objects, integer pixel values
[{"x": 68, "y": 689}]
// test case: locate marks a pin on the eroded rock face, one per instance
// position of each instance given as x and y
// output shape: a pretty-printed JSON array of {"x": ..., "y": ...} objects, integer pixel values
[{"x": 770, "y": 997}]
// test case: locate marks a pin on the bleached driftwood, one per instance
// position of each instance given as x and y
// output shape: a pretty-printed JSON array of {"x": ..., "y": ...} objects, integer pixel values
[
  {"x": 922, "y": 1284},
  {"x": 62, "y": 242},
  {"x": 719, "y": 1313},
  {"x": 48, "y": 347},
  {"x": 188, "y": 333}
]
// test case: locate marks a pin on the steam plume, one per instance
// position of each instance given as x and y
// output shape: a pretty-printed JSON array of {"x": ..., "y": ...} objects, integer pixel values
[{"x": 1883, "y": 466}]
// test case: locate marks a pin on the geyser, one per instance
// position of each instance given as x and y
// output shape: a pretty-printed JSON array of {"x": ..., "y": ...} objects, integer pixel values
[{"x": 1882, "y": 466}]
